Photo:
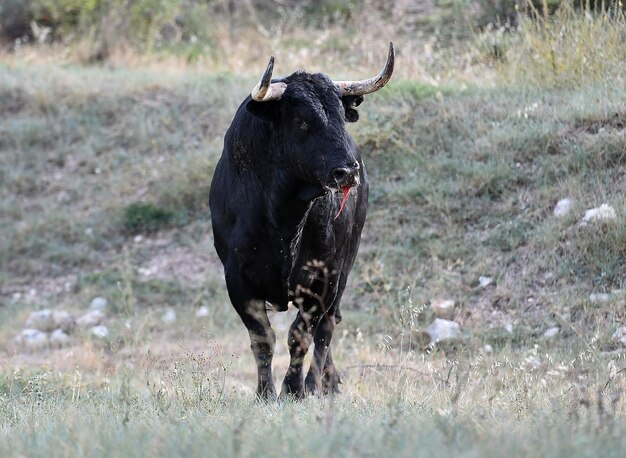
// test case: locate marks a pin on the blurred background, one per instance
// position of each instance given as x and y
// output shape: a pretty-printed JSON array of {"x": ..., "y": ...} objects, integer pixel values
[
  {"x": 434, "y": 37},
  {"x": 113, "y": 114},
  {"x": 114, "y": 110}
]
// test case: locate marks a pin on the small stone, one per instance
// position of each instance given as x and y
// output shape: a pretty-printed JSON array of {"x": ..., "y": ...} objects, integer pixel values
[
  {"x": 90, "y": 319},
  {"x": 100, "y": 331},
  {"x": 443, "y": 308},
  {"x": 202, "y": 312},
  {"x": 63, "y": 320},
  {"x": 563, "y": 207},
  {"x": 99, "y": 303},
  {"x": 508, "y": 327},
  {"x": 533, "y": 361},
  {"x": 553, "y": 331},
  {"x": 488, "y": 349},
  {"x": 599, "y": 298},
  {"x": 42, "y": 320},
  {"x": 59, "y": 338},
  {"x": 485, "y": 281},
  {"x": 441, "y": 330},
  {"x": 599, "y": 214},
  {"x": 169, "y": 317},
  {"x": 32, "y": 339}
]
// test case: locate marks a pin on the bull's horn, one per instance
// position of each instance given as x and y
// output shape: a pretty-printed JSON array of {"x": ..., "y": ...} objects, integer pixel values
[
  {"x": 266, "y": 90},
  {"x": 371, "y": 84}
]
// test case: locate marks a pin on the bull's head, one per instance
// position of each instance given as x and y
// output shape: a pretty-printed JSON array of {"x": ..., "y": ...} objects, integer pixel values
[{"x": 307, "y": 113}]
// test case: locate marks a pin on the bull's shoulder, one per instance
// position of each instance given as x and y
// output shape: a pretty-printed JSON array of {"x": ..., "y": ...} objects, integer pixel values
[{"x": 246, "y": 143}]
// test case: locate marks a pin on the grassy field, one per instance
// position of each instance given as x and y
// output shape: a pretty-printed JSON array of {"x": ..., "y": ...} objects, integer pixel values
[{"x": 104, "y": 180}]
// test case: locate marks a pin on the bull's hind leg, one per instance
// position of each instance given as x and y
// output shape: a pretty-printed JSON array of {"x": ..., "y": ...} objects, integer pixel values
[
  {"x": 299, "y": 340},
  {"x": 330, "y": 377},
  {"x": 262, "y": 342},
  {"x": 321, "y": 355}
]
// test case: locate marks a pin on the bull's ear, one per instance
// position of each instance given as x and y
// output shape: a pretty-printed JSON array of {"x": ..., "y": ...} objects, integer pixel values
[
  {"x": 350, "y": 102},
  {"x": 267, "y": 111}
]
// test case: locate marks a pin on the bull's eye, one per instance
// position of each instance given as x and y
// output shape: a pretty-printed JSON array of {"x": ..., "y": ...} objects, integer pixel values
[{"x": 301, "y": 124}]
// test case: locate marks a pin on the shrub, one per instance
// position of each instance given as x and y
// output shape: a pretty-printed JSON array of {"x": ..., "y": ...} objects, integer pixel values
[{"x": 141, "y": 217}]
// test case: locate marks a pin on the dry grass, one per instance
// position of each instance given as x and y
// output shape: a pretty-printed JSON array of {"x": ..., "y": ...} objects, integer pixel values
[
  {"x": 569, "y": 48},
  {"x": 156, "y": 398}
]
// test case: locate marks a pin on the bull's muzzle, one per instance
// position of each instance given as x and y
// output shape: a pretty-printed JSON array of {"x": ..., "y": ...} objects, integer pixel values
[{"x": 346, "y": 177}]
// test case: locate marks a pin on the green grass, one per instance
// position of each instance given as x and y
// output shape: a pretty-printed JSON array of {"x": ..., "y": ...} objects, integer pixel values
[{"x": 463, "y": 184}]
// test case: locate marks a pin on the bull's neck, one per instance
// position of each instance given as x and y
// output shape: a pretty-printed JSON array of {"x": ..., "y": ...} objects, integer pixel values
[{"x": 289, "y": 202}]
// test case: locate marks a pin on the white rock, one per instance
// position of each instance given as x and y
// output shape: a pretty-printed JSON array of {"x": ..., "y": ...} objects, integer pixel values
[
  {"x": 63, "y": 320},
  {"x": 32, "y": 339},
  {"x": 99, "y": 331},
  {"x": 620, "y": 335},
  {"x": 485, "y": 281},
  {"x": 59, "y": 338},
  {"x": 599, "y": 298},
  {"x": 563, "y": 207},
  {"x": 440, "y": 330},
  {"x": 169, "y": 317},
  {"x": 42, "y": 320},
  {"x": 90, "y": 319},
  {"x": 488, "y": 349},
  {"x": 553, "y": 331},
  {"x": 99, "y": 303},
  {"x": 202, "y": 312},
  {"x": 443, "y": 308},
  {"x": 534, "y": 361},
  {"x": 602, "y": 213},
  {"x": 508, "y": 327}
]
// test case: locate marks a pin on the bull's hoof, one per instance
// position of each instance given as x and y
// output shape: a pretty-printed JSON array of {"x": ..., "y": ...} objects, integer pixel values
[
  {"x": 292, "y": 389},
  {"x": 312, "y": 386},
  {"x": 289, "y": 396},
  {"x": 330, "y": 383},
  {"x": 266, "y": 393}
]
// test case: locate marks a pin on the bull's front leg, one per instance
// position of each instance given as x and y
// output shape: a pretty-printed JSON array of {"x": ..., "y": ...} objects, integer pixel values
[
  {"x": 298, "y": 340},
  {"x": 262, "y": 342},
  {"x": 320, "y": 369}
]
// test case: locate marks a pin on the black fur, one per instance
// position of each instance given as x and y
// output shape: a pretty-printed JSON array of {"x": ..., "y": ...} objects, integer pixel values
[{"x": 273, "y": 203}]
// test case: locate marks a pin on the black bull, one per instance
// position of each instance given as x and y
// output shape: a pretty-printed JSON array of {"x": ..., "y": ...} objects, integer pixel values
[{"x": 288, "y": 203}]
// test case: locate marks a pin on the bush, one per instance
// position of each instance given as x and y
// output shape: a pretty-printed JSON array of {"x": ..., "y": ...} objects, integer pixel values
[{"x": 140, "y": 217}]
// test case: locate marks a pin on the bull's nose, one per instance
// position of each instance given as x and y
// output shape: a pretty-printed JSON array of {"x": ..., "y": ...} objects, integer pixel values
[{"x": 345, "y": 176}]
